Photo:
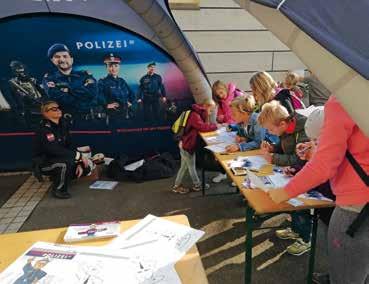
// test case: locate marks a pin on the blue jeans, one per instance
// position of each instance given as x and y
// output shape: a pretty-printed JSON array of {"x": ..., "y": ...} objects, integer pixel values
[{"x": 188, "y": 162}]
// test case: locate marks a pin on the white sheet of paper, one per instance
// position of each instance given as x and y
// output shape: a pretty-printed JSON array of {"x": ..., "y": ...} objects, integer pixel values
[
  {"x": 307, "y": 111},
  {"x": 295, "y": 202},
  {"x": 172, "y": 240},
  {"x": 266, "y": 183},
  {"x": 318, "y": 197},
  {"x": 72, "y": 265},
  {"x": 224, "y": 137},
  {"x": 132, "y": 167},
  {"x": 257, "y": 162},
  {"x": 217, "y": 148}
]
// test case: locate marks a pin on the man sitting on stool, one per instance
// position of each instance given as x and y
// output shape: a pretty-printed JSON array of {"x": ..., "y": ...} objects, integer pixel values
[{"x": 53, "y": 154}]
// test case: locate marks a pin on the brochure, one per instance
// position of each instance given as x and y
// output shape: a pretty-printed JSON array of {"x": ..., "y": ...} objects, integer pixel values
[
  {"x": 82, "y": 232},
  {"x": 104, "y": 184}
]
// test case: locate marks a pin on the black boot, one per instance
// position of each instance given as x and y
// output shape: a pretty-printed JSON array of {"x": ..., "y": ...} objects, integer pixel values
[
  {"x": 61, "y": 194},
  {"x": 321, "y": 278}
]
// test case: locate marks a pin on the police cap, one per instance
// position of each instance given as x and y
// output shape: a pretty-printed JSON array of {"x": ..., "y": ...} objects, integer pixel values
[
  {"x": 112, "y": 58},
  {"x": 57, "y": 47},
  {"x": 151, "y": 64}
]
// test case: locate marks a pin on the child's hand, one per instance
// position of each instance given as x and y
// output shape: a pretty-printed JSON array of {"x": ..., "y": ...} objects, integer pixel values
[
  {"x": 305, "y": 150},
  {"x": 266, "y": 147},
  {"x": 219, "y": 125},
  {"x": 278, "y": 195},
  {"x": 289, "y": 171},
  {"x": 240, "y": 139},
  {"x": 220, "y": 118},
  {"x": 268, "y": 157},
  {"x": 232, "y": 148}
]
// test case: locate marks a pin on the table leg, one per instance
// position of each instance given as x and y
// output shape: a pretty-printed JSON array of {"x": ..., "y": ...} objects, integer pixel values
[
  {"x": 313, "y": 245},
  {"x": 203, "y": 181},
  {"x": 248, "y": 251}
]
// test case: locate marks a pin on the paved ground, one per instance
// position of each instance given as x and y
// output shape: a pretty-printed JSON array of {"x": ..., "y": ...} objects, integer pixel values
[
  {"x": 8, "y": 185},
  {"x": 221, "y": 217}
]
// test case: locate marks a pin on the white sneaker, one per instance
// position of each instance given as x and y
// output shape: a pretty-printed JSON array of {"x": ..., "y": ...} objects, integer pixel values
[
  {"x": 219, "y": 178},
  {"x": 233, "y": 184}
]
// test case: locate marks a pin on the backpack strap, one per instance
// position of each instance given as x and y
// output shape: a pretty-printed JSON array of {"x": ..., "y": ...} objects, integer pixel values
[
  {"x": 358, "y": 169},
  {"x": 364, "y": 213},
  {"x": 358, "y": 221}
]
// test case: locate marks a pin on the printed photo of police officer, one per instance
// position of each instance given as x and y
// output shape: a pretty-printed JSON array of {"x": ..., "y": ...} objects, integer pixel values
[
  {"x": 27, "y": 94},
  {"x": 114, "y": 92},
  {"x": 150, "y": 93},
  {"x": 75, "y": 91}
]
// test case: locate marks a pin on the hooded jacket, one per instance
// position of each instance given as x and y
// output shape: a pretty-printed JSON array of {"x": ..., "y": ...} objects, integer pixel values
[
  {"x": 224, "y": 114},
  {"x": 196, "y": 123}
]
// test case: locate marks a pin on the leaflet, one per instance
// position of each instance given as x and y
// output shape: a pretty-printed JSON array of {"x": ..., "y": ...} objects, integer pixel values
[{"x": 51, "y": 263}]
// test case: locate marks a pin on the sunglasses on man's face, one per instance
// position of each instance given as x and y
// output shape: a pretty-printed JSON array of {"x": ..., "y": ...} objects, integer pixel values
[{"x": 53, "y": 109}]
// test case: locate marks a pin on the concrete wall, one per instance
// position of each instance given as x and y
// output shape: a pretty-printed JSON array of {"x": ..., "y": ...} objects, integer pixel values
[{"x": 232, "y": 44}]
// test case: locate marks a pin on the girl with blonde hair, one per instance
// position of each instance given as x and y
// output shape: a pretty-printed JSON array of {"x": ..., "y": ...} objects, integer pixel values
[{"x": 250, "y": 133}]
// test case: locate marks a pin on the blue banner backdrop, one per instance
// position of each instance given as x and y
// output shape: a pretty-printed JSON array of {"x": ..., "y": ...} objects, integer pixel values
[{"x": 27, "y": 76}]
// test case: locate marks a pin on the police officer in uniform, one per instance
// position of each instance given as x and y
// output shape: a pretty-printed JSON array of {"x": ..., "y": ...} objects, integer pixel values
[
  {"x": 151, "y": 91},
  {"x": 75, "y": 91},
  {"x": 26, "y": 92},
  {"x": 53, "y": 154},
  {"x": 114, "y": 91}
]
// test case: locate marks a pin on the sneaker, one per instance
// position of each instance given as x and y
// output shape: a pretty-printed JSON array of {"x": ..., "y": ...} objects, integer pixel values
[
  {"x": 233, "y": 184},
  {"x": 180, "y": 189},
  {"x": 286, "y": 234},
  {"x": 199, "y": 187},
  {"x": 321, "y": 278},
  {"x": 219, "y": 178},
  {"x": 299, "y": 247}
]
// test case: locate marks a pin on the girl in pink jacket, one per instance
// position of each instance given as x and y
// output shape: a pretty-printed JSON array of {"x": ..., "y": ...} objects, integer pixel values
[
  {"x": 223, "y": 95},
  {"x": 348, "y": 256}
]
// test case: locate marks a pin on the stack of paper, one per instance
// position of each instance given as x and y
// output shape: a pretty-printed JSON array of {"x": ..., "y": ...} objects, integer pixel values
[{"x": 104, "y": 184}]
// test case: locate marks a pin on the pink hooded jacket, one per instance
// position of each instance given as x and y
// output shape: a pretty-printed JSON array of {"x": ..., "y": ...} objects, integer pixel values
[{"x": 224, "y": 110}]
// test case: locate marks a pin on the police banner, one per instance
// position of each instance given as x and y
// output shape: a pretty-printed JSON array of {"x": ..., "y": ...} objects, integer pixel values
[{"x": 119, "y": 90}]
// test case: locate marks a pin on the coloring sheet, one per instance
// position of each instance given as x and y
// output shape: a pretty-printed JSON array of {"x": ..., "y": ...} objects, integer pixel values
[
  {"x": 157, "y": 238},
  {"x": 50, "y": 263}
]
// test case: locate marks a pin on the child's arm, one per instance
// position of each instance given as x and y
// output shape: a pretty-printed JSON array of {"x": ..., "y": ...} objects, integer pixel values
[
  {"x": 200, "y": 125},
  {"x": 259, "y": 135},
  {"x": 285, "y": 159}
]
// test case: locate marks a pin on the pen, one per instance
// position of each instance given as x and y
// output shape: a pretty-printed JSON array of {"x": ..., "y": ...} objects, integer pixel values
[{"x": 303, "y": 151}]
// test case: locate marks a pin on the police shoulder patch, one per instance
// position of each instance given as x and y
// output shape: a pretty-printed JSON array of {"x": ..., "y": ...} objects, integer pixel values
[
  {"x": 46, "y": 75},
  {"x": 50, "y": 137}
]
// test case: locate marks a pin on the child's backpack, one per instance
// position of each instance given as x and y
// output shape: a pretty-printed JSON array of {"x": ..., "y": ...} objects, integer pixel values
[{"x": 179, "y": 125}]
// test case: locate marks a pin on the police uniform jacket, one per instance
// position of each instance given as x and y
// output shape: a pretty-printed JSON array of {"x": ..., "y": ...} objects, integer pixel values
[
  {"x": 151, "y": 85},
  {"x": 114, "y": 90},
  {"x": 53, "y": 141},
  {"x": 76, "y": 92}
]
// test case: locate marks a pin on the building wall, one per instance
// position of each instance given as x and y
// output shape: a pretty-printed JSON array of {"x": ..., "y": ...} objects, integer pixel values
[{"x": 232, "y": 44}]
